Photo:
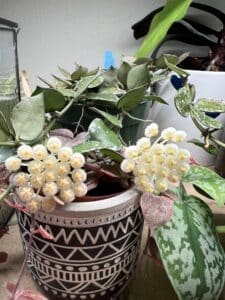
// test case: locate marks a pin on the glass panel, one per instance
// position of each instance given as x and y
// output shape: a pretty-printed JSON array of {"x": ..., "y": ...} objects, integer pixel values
[{"x": 8, "y": 82}]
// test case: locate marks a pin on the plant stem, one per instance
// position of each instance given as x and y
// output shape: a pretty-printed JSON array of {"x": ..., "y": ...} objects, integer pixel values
[
  {"x": 218, "y": 142},
  {"x": 9, "y": 144},
  {"x": 135, "y": 118},
  {"x": 220, "y": 229},
  {"x": 25, "y": 258},
  {"x": 6, "y": 192}
]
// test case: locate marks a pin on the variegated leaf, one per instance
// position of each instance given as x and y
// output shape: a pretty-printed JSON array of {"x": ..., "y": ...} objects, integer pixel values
[
  {"x": 211, "y": 105},
  {"x": 208, "y": 181},
  {"x": 191, "y": 252},
  {"x": 205, "y": 120},
  {"x": 184, "y": 99}
]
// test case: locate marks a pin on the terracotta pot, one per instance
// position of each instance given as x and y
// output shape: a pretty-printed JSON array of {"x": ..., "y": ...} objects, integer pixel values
[{"x": 94, "y": 251}]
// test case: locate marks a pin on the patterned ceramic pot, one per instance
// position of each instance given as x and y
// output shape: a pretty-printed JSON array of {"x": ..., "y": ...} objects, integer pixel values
[{"x": 94, "y": 251}]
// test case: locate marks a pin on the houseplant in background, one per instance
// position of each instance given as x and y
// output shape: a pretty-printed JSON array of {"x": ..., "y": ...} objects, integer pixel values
[
  {"x": 192, "y": 31},
  {"x": 99, "y": 261}
]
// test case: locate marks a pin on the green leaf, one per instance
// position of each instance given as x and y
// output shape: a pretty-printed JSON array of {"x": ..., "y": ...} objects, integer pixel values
[
  {"x": 93, "y": 72},
  {"x": 67, "y": 92},
  {"x": 154, "y": 98},
  {"x": 112, "y": 154},
  {"x": 53, "y": 99},
  {"x": 79, "y": 73},
  {"x": 132, "y": 98},
  {"x": 123, "y": 72},
  {"x": 173, "y": 11},
  {"x": 84, "y": 83},
  {"x": 6, "y": 152},
  {"x": 110, "y": 99},
  {"x": 111, "y": 118},
  {"x": 138, "y": 76},
  {"x": 211, "y": 149},
  {"x": 100, "y": 132},
  {"x": 205, "y": 120},
  {"x": 211, "y": 105},
  {"x": 110, "y": 90},
  {"x": 28, "y": 118},
  {"x": 191, "y": 251},
  {"x": 6, "y": 107},
  {"x": 64, "y": 72},
  {"x": 208, "y": 181},
  {"x": 95, "y": 83},
  {"x": 183, "y": 100},
  {"x": 162, "y": 61},
  {"x": 176, "y": 69},
  {"x": 89, "y": 146}
]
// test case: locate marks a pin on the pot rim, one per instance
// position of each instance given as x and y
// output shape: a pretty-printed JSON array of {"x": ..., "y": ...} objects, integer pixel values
[{"x": 206, "y": 73}]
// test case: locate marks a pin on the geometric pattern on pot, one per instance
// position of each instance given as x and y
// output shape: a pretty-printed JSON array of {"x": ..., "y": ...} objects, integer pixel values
[{"x": 86, "y": 262}]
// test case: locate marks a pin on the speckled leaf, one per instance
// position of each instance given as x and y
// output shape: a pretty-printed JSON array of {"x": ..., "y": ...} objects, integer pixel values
[
  {"x": 183, "y": 100},
  {"x": 28, "y": 118},
  {"x": 84, "y": 83},
  {"x": 205, "y": 120},
  {"x": 95, "y": 83},
  {"x": 154, "y": 98},
  {"x": 100, "y": 132},
  {"x": 176, "y": 69},
  {"x": 138, "y": 76},
  {"x": 208, "y": 181},
  {"x": 110, "y": 118},
  {"x": 132, "y": 98},
  {"x": 191, "y": 252},
  {"x": 211, "y": 105},
  {"x": 89, "y": 146}
]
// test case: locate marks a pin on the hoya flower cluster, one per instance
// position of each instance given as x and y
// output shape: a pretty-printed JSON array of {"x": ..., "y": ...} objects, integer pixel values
[
  {"x": 54, "y": 175},
  {"x": 157, "y": 164}
]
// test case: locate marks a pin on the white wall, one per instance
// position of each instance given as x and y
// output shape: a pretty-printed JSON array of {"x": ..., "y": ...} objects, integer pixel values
[{"x": 61, "y": 32}]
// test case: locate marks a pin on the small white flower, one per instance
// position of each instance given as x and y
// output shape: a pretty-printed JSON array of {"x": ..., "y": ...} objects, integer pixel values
[
  {"x": 40, "y": 152},
  {"x": 170, "y": 162},
  {"x": 151, "y": 130},
  {"x": 183, "y": 168},
  {"x": 79, "y": 175},
  {"x": 37, "y": 180},
  {"x": 179, "y": 136},
  {"x": 65, "y": 153},
  {"x": 35, "y": 167},
  {"x": 80, "y": 189},
  {"x": 50, "y": 162},
  {"x": 143, "y": 144},
  {"x": 173, "y": 176},
  {"x": 77, "y": 160},
  {"x": 50, "y": 189},
  {"x": 171, "y": 149},
  {"x": 131, "y": 152},
  {"x": 63, "y": 168},
  {"x": 161, "y": 185},
  {"x": 25, "y": 152},
  {"x": 127, "y": 165},
  {"x": 141, "y": 169},
  {"x": 48, "y": 204},
  {"x": 20, "y": 179},
  {"x": 13, "y": 163},
  {"x": 67, "y": 195},
  {"x": 26, "y": 193},
  {"x": 168, "y": 134},
  {"x": 50, "y": 175},
  {"x": 54, "y": 144},
  {"x": 158, "y": 149},
  {"x": 64, "y": 183},
  {"x": 33, "y": 206},
  {"x": 163, "y": 172},
  {"x": 183, "y": 154}
]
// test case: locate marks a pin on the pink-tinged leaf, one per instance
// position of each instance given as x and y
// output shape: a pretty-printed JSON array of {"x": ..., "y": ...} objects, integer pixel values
[
  {"x": 157, "y": 210},
  {"x": 193, "y": 161},
  {"x": 3, "y": 257},
  {"x": 24, "y": 294},
  {"x": 80, "y": 138},
  {"x": 62, "y": 132}
]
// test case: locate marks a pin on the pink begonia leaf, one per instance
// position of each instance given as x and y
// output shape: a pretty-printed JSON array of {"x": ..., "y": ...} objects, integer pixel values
[
  {"x": 24, "y": 294},
  {"x": 157, "y": 210}
]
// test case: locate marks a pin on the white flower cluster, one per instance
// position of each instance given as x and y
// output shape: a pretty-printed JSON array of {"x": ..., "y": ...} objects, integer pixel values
[
  {"x": 156, "y": 165},
  {"x": 54, "y": 174}
]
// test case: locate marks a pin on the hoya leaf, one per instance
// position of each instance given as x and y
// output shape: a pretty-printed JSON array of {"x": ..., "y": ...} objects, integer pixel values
[
  {"x": 154, "y": 98},
  {"x": 67, "y": 92},
  {"x": 138, "y": 76},
  {"x": 28, "y": 118},
  {"x": 100, "y": 132},
  {"x": 173, "y": 11},
  {"x": 103, "y": 98},
  {"x": 112, "y": 154},
  {"x": 189, "y": 247},
  {"x": 211, "y": 149},
  {"x": 205, "y": 120},
  {"x": 208, "y": 181},
  {"x": 84, "y": 83},
  {"x": 176, "y": 69},
  {"x": 64, "y": 72},
  {"x": 211, "y": 105},
  {"x": 89, "y": 146},
  {"x": 123, "y": 72},
  {"x": 110, "y": 118},
  {"x": 183, "y": 100},
  {"x": 53, "y": 99},
  {"x": 132, "y": 98},
  {"x": 95, "y": 83},
  {"x": 162, "y": 61}
]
